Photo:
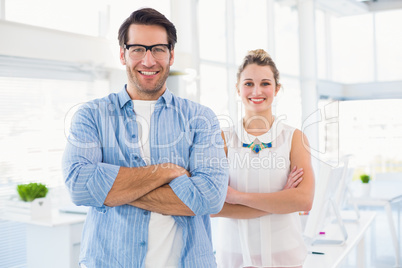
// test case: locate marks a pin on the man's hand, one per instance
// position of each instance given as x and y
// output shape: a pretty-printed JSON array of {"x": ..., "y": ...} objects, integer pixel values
[
  {"x": 164, "y": 201},
  {"x": 172, "y": 169}
]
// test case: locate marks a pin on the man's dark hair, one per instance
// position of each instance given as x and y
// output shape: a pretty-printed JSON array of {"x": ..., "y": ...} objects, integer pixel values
[{"x": 147, "y": 16}]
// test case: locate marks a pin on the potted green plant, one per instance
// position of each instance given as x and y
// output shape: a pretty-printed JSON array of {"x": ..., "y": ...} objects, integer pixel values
[
  {"x": 29, "y": 192},
  {"x": 31, "y": 201},
  {"x": 365, "y": 184},
  {"x": 365, "y": 178}
]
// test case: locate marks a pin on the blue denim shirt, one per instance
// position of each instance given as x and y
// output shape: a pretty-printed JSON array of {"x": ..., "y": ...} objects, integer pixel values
[{"x": 104, "y": 136}]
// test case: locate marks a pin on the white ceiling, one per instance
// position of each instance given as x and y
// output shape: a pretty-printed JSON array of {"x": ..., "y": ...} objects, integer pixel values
[
  {"x": 378, "y": 5},
  {"x": 351, "y": 7}
]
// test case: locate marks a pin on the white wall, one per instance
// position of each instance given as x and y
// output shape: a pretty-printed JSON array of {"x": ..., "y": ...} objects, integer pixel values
[{"x": 35, "y": 42}]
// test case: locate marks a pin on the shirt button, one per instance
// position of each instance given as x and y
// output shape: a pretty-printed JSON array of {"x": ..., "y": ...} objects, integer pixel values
[
  {"x": 133, "y": 136},
  {"x": 145, "y": 212},
  {"x": 142, "y": 243},
  {"x": 136, "y": 157},
  {"x": 111, "y": 107}
]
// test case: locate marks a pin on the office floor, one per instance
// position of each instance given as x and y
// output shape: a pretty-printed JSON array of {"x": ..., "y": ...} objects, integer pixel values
[{"x": 379, "y": 247}]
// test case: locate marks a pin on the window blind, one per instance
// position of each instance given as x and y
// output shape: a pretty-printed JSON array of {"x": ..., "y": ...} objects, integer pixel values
[{"x": 34, "y": 106}]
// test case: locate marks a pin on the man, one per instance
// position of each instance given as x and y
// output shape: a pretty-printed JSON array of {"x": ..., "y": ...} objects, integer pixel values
[{"x": 149, "y": 164}]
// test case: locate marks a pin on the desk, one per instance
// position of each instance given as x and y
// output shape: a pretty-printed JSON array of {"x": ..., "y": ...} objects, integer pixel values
[
  {"x": 383, "y": 193},
  {"x": 336, "y": 254},
  {"x": 53, "y": 242}
]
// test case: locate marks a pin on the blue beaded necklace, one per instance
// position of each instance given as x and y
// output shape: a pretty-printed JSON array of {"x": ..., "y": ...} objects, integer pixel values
[{"x": 257, "y": 147}]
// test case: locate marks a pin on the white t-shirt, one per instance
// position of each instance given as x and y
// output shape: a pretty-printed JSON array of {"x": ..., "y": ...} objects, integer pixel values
[{"x": 164, "y": 234}]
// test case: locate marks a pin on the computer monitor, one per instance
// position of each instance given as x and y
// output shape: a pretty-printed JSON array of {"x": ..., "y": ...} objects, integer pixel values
[{"x": 329, "y": 189}]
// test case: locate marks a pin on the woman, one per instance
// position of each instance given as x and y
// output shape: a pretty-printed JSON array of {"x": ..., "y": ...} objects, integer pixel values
[{"x": 271, "y": 178}]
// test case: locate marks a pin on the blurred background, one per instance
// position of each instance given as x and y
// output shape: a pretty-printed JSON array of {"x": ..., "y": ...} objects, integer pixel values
[{"x": 340, "y": 65}]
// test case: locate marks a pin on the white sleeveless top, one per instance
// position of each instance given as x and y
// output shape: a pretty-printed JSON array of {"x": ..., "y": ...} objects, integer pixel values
[{"x": 273, "y": 240}]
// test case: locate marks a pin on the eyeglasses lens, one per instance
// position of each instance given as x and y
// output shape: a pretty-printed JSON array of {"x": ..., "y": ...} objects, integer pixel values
[{"x": 158, "y": 52}]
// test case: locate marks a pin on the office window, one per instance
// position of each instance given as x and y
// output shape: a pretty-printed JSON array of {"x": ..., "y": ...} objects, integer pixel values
[
  {"x": 353, "y": 49},
  {"x": 389, "y": 43},
  {"x": 321, "y": 45},
  {"x": 214, "y": 92},
  {"x": 213, "y": 48},
  {"x": 250, "y": 27},
  {"x": 212, "y": 30},
  {"x": 287, "y": 103},
  {"x": 371, "y": 130},
  {"x": 286, "y": 40},
  {"x": 218, "y": 74},
  {"x": 33, "y": 127}
]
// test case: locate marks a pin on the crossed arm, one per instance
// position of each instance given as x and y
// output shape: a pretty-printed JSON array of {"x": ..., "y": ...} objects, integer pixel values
[
  {"x": 165, "y": 188},
  {"x": 132, "y": 184},
  {"x": 164, "y": 201},
  {"x": 297, "y": 195},
  {"x": 147, "y": 188},
  {"x": 170, "y": 189}
]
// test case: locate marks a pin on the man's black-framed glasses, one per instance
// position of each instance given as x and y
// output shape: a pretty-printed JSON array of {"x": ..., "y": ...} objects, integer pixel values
[{"x": 137, "y": 51}]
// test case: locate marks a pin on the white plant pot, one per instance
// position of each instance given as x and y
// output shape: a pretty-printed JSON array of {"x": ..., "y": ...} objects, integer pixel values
[
  {"x": 38, "y": 209},
  {"x": 366, "y": 188}
]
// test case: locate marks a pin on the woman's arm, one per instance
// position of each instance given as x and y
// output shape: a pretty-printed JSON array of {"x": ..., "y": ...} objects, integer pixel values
[
  {"x": 288, "y": 200},
  {"x": 244, "y": 212},
  {"x": 239, "y": 212}
]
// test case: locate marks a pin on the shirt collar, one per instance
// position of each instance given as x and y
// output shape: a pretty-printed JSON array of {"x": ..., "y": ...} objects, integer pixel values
[
  {"x": 167, "y": 96},
  {"x": 124, "y": 97},
  {"x": 267, "y": 137}
]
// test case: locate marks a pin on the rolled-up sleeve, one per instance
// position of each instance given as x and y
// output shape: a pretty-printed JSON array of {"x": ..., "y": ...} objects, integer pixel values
[
  {"x": 205, "y": 191},
  {"x": 86, "y": 177}
]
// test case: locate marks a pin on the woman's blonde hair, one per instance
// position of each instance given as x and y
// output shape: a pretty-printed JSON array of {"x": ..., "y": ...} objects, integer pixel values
[{"x": 261, "y": 58}]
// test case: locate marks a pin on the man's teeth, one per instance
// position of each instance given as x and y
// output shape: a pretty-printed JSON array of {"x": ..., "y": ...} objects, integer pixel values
[{"x": 148, "y": 73}]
